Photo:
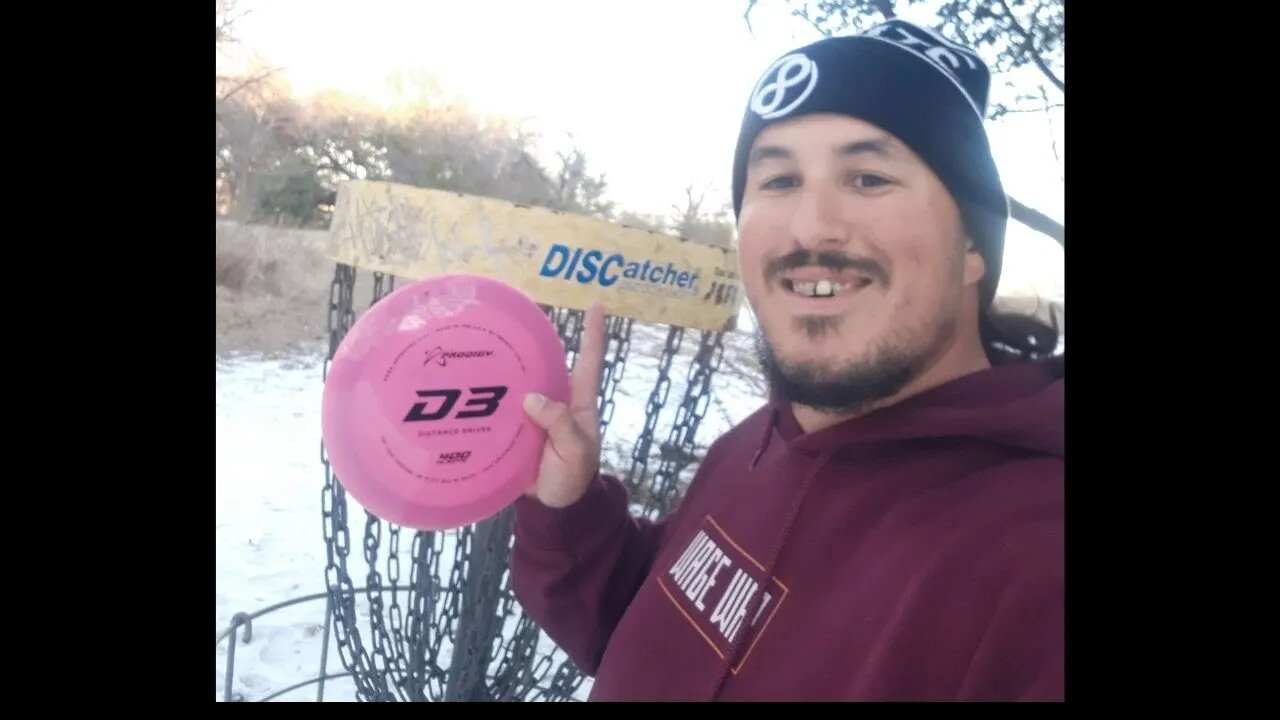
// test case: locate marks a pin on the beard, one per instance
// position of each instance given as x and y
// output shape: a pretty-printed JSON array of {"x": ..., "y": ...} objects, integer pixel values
[{"x": 856, "y": 386}]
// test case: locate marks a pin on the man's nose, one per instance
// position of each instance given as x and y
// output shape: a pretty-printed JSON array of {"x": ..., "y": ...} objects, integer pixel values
[{"x": 818, "y": 222}]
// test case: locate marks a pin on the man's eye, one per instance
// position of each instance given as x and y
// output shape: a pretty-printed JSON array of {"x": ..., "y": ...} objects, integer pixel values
[
  {"x": 781, "y": 182},
  {"x": 869, "y": 181}
]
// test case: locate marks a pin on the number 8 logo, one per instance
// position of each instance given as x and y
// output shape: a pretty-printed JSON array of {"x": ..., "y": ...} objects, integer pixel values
[{"x": 786, "y": 73}]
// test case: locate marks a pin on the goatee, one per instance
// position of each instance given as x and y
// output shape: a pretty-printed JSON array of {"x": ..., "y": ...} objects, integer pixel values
[{"x": 851, "y": 389}]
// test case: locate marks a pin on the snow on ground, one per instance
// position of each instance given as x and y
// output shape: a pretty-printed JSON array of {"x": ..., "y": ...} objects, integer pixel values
[
  {"x": 270, "y": 541},
  {"x": 270, "y": 547}
]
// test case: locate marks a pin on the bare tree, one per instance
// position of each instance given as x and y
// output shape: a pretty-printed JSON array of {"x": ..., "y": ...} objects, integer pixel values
[
  {"x": 225, "y": 19},
  {"x": 692, "y": 222},
  {"x": 574, "y": 189},
  {"x": 652, "y": 223},
  {"x": 281, "y": 160}
]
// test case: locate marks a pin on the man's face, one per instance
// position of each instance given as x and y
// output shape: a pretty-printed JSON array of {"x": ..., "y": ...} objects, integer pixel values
[{"x": 853, "y": 257}]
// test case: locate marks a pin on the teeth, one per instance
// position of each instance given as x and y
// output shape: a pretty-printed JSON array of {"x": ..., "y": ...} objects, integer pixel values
[{"x": 821, "y": 288}]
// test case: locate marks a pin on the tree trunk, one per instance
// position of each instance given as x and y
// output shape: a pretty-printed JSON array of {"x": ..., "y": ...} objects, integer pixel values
[{"x": 1038, "y": 221}]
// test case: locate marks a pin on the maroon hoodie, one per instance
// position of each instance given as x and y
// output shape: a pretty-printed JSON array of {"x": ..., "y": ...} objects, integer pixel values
[{"x": 915, "y": 553}]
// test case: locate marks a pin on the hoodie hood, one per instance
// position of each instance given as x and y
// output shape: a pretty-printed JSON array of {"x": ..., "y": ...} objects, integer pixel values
[{"x": 1019, "y": 406}]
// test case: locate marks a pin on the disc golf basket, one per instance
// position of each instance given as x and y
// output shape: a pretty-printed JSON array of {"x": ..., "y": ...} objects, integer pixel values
[{"x": 431, "y": 616}]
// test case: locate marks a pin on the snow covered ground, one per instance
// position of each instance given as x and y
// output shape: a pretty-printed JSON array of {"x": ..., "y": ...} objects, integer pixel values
[{"x": 270, "y": 542}]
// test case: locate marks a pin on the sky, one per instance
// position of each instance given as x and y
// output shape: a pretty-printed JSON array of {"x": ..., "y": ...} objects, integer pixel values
[{"x": 652, "y": 91}]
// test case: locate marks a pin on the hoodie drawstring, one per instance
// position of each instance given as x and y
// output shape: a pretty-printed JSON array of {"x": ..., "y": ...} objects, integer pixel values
[
  {"x": 764, "y": 441},
  {"x": 753, "y": 607}
]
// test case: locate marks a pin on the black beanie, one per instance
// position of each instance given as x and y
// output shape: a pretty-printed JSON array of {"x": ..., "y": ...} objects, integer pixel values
[{"x": 925, "y": 90}]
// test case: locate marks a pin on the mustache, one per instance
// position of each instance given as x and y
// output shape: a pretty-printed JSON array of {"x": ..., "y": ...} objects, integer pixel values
[{"x": 827, "y": 259}]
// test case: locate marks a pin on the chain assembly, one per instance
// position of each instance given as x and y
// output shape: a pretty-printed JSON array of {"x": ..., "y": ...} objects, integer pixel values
[{"x": 452, "y": 630}]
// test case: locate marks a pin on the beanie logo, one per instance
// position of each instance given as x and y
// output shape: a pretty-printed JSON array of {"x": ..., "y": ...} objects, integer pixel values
[
  {"x": 960, "y": 64},
  {"x": 770, "y": 100}
]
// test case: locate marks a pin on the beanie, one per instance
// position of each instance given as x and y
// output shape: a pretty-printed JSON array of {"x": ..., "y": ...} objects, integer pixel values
[{"x": 927, "y": 91}]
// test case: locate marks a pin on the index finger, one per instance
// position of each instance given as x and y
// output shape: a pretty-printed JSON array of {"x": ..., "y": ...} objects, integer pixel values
[{"x": 585, "y": 383}]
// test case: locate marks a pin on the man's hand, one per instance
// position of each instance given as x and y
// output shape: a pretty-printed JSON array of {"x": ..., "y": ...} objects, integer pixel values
[{"x": 571, "y": 457}]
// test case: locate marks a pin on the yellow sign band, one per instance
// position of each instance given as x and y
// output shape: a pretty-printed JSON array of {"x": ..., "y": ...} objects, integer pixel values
[{"x": 556, "y": 258}]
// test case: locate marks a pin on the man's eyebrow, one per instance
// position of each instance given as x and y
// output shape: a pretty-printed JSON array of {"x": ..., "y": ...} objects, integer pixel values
[
  {"x": 768, "y": 152},
  {"x": 875, "y": 146},
  {"x": 881, "y": 146}
]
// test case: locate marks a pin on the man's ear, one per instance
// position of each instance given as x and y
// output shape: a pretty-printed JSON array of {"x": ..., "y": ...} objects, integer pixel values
[{"x": 975, "y": 267}]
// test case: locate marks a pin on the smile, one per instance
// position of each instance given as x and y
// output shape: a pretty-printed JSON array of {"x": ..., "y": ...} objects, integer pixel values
[
  {"x": 823, "y": 283},
  {"x": 822, "y": 288}
]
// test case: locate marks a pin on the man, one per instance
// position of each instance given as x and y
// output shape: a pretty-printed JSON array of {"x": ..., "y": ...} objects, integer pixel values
[{"x": 890, "y": 525}]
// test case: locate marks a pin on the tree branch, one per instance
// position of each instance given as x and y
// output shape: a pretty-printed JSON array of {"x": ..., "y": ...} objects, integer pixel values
[
  {"x": 336, "y": 164},
  {"x": 1029, "y": 47},
  {"x": 1053, "y": 138},
  {"x": 1000, "y": 110},
  {"x": 886, "y": 8},
  {"x": 227, "y": 18},
  {"x": 1037, "y": 221},
  {"x": 1035, "y": 110},
  {"x": 803, "y": 14},
  {"x": 247, "y": 82}
]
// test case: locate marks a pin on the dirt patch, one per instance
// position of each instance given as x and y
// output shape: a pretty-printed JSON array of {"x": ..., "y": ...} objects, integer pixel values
[
  {"x": 270, "y": 325},
  {"x": 271, "y": 290}
]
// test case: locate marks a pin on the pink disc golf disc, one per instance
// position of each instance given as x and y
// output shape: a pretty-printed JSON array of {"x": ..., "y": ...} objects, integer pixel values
[{"x": 422, "y": 417}]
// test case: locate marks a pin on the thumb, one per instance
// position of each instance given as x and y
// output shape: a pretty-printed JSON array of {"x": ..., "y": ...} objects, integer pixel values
[{"x": 555, "y": 418}]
